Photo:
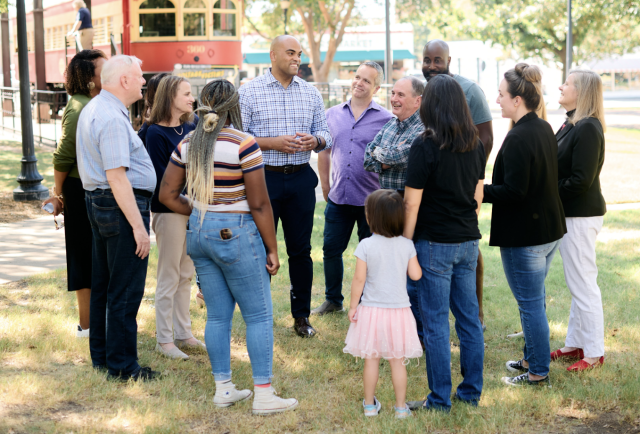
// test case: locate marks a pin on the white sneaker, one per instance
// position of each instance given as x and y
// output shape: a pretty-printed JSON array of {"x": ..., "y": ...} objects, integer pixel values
[
  {"x": 82, "y": 333},
  {"x": 266, "y": 402},
  {"x": 227, "y": 394}
]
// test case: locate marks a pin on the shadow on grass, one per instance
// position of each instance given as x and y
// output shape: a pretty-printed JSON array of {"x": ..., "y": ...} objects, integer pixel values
[{"x": 47, "y": 384}]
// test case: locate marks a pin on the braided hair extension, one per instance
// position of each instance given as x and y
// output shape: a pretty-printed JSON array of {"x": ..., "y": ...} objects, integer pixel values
[
  {"x": 220, "y": 102},
  {"x": 80, "y": 72}
]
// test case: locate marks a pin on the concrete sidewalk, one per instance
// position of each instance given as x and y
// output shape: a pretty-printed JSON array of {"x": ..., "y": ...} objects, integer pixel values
[{"x": 35, "y": 246}]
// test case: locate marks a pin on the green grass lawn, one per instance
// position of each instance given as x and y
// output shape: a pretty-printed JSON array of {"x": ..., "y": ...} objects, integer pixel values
[
  {"x": 10, "y": 156},
  {"x": 47, "y": 384}
]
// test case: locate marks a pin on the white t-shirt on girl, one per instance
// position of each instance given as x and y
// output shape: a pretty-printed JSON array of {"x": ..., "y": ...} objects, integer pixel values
[{"x": 387, "y": 262}]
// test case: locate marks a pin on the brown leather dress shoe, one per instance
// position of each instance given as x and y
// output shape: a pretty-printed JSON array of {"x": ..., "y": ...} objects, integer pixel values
[{"x": 303, "y": 328}]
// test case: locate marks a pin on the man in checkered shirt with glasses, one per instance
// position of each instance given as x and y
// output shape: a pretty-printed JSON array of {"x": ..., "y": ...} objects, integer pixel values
[{"x": 286, "y": 116}]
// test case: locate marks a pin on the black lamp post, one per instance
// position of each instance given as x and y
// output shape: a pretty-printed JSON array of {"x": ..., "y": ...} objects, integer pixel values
[
  {"x": 29, "y": 179},
  {"x": 284, "y": 4}
]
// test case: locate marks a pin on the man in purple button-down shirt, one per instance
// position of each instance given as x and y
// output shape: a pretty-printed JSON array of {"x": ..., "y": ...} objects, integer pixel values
[{"x": 352, "y": 126}]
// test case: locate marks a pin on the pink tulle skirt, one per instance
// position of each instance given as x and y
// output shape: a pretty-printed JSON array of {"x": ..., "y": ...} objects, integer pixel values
[{"x": 383, "y": 333}]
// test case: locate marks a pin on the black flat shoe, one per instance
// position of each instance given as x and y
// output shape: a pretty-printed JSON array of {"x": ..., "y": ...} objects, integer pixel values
[{"x": 303, "y": 328}]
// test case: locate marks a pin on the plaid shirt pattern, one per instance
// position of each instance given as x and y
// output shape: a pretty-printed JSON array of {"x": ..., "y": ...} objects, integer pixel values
[
  {"x": 270, "y": 110},
  {"x": 391, "y": 146}
]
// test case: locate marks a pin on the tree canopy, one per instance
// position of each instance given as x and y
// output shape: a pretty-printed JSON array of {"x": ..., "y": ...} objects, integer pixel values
[
  {"x": 4, "y": 6},
  {"x": 315, "y": 20},
  {"x": 533, "y": 28}
]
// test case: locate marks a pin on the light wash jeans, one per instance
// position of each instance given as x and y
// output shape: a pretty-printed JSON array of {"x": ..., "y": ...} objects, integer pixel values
[
  {"x": 526, "y": 269},
  {"x": 449, "y": 283},
  {"x": 233, "y": 271}
]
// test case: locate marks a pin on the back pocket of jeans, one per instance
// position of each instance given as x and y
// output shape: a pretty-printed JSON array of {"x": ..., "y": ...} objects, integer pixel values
[
  {"x": 442, "y": 256},
  {"x": 107, "y": 219},
  {"x": 225, "y": 251}
]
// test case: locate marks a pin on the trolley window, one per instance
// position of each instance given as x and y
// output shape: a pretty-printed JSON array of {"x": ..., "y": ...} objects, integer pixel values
[{"x": 158, "y": 19}]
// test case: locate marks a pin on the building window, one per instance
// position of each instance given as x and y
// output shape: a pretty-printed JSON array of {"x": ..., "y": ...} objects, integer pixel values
[
  {"x": 224, "y": 18},
  {"x": 158, "y": 19},
  {"x": 194, "y": 18}
]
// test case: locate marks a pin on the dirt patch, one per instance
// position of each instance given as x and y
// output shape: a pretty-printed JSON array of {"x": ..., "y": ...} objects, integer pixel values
[
  {"x": 609, "y": 423},
  {"x": 12, "y": 211}
]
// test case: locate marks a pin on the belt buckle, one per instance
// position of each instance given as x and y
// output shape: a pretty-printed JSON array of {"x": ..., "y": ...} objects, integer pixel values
[{"x": 288, "y": 169}]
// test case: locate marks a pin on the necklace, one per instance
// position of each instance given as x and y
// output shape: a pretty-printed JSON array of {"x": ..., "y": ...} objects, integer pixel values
[{"x": 181, "y": 130}]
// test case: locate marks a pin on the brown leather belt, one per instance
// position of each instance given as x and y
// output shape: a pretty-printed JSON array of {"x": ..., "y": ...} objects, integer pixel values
[{"x": 287, "y": 169}]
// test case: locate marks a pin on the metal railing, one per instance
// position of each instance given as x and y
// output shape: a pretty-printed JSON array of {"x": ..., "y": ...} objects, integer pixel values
[{"x": 46, "y": 109}]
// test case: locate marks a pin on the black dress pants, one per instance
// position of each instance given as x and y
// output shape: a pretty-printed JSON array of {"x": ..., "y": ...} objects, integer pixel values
[{"x": 293, "y": 199}]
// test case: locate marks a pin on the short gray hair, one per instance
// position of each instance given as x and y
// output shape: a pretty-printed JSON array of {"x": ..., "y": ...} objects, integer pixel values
[
  {"x": 116, "y": 67},
  {"x": 379, "y": 70},
  {"x": 79, "y": 3},
  {"x": 417, "y": 85}
]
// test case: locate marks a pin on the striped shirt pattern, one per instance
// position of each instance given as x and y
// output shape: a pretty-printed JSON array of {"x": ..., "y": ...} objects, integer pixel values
[
  {"x": 236, "y": 153},
  {"x": 270, "y": 110}
]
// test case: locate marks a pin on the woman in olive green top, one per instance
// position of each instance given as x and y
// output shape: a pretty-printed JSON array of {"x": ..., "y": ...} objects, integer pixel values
[{"x": 82, "y": 83}]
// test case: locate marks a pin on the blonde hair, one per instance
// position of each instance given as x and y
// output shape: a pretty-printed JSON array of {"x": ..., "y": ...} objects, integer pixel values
[
  {"x": 220, "y": 101},
  {"x": 79, "y": 3},
  {"x": 163, "y": 101},
  {"x": 590, "y": 103}
]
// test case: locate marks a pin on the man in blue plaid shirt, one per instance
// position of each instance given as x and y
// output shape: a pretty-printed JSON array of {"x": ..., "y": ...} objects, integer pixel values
[
  {"x": 286, "y": 116},
  {"x": 388, "y": 154}
]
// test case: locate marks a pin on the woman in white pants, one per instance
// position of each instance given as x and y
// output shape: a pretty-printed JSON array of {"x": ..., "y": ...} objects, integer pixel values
[
  {"x": 580, "y": 160},
  {"x": 170, "y": 120}
]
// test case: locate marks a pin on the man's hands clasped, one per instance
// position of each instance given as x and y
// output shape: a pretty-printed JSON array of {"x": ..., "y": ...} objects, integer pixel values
[{"x": 301, "y": 142}]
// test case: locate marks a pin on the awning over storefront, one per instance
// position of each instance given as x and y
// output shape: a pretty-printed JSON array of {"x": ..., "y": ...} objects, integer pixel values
[{"x": 341, "y": 56}]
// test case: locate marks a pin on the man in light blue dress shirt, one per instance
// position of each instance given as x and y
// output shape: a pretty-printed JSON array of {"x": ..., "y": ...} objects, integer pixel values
[
  {"x": 119, "y": 180},
  {"x": 286, "y": 116}
]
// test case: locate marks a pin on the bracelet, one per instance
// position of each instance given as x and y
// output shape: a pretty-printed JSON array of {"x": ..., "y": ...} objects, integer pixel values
[{"x": 319, "y": 143}]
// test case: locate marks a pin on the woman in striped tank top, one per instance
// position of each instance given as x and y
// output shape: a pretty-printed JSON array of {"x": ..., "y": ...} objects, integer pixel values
[{"x": 231, "y": 239}]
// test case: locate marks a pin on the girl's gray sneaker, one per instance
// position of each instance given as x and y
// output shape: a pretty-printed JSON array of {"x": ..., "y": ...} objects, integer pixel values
[
  {"x": 402, "y": 412},
  {"x": 373, "y": 409}
]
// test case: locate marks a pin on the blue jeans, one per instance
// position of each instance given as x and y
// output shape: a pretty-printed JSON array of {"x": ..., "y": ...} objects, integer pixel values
[
  {"x": 526, "y": 269},
  {"x": 449, "y": 282},
  {"x": 233, "y": 271},
  {"x": 414, "y": 299},
  {"x": 117, "y": 283},
  {"x": 338, "y": 225}
]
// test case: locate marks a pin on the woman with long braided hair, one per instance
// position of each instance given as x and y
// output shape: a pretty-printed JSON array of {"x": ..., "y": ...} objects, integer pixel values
[
  {"x": 231, "y": 239},
  {"x": 82, "y": 82}
]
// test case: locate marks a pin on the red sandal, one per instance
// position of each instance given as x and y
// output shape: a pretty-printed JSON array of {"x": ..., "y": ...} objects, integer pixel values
[
  {"x": 576, "y": 354},
  {"x": 583, "y": 365}
]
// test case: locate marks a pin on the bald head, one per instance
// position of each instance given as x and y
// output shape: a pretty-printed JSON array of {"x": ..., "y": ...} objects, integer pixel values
[
  {"x": 285, "y": 54},
  {"x": 435, "y": 59},
  {"x": 281, "y": 40}
]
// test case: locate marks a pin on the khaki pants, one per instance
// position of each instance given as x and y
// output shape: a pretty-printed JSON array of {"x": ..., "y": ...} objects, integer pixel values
[
  {"x": 86, "y": 38},
  {"x": 175, "y": 270}
]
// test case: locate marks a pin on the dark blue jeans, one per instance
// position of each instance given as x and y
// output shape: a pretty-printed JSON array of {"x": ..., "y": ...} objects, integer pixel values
[
  {"x": 338, "y": 225},
  {"x": 414, "y": 299},
  {"x": 293, "y": 199},
  {"x": 117, "y": 283},
  {"x": 526, "y": 269},
  {"x": 449, "y": 282}
]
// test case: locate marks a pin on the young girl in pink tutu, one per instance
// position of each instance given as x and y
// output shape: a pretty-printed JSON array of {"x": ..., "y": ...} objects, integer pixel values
[{"x": 382, "y": 325}]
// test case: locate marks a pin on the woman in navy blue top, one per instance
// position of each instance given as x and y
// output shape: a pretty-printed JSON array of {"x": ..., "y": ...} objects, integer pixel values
[{"x": 170, "y": 121}]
